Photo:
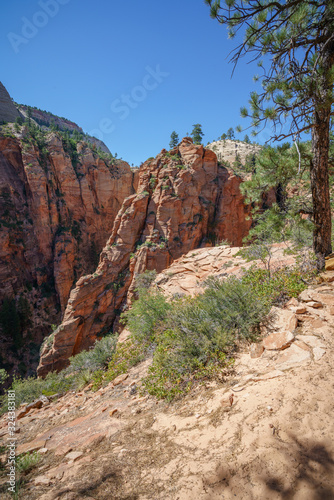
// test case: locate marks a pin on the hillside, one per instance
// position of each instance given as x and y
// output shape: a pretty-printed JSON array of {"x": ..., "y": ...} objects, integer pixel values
[
  {"x": 262, "y": 431},
  {"x": 47, "y": 120},
  {"x": 228, "y": 150}
]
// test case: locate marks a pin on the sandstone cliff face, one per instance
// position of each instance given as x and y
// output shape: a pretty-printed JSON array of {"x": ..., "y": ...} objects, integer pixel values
[
  {"x": 55, "y": 218},
  {"x": 8, "y": 111},
  {"x": 184, "y": 200}
]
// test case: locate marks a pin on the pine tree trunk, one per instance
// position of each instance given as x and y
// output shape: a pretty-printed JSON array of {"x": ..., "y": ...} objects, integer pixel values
[
  {"x": 323, "y": 99},
  {"x": 320, "y": 185}
]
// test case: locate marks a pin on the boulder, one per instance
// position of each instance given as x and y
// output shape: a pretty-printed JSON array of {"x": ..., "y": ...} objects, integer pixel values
[
  {"x": 256, "y": 350},
  {"x": 284, "y": 320},
  {"x": 292, "y": 357},
  {"x": 278, "y": 341},
  {"x": 329, "y": 264}
]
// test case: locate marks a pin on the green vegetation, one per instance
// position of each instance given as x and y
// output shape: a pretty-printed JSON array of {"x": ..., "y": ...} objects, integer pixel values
[
  {"x": 197, "y": 133},
  {"x": 144, "y": 280},
  {"x": 27, "y": 461},
  {"x": 3, "y": 376},
  {"x": 297, "y": 83},
  {"x": 194, "y": 338},
  {"x": 127, "y": 354},
  {"x": 24, "y": 464},
  {"x": 230, "y": 134},
  {"x": 286, "y": 171},
  {"x": 70, "y": 147},
  {"x": 153, "y": 182},
  {"x": 174, "y": 140},
  {"x": 81, "y": 370}
]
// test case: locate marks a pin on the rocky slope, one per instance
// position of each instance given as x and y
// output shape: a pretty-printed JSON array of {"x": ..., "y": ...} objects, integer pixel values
[
  {"x": 45, "y": 120},
  {"x": 11, "y": 111},
  {"x": 262, "y": 433},
  {"x": 8, "y": 111},
  {"x": 184, "y": 200},
  {"x": 56, "y": 215},
  {"x": 228, "y": 150}
]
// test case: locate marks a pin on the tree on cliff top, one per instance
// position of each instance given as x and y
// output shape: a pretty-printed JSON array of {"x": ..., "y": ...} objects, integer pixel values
[
  {"x": 298, "y": 37},
  {"x": 174, "y": 140},
  {"x": 230, "y": 134},
  {"x": 197, "y": 133}
]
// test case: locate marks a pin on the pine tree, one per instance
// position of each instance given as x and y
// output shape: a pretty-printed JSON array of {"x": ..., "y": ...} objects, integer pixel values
[
  {"x": 174, "y": 140},
  {"x": 29, "y": 114},
  {"x": 298, "y": 38},
  {"x": 230, "y": 134},
  {"x": 223, "y": 137},
  {"x": 197, "y": 133},
  {"x": 246, "y": 139},
  {"x": 278, "y": 169}
]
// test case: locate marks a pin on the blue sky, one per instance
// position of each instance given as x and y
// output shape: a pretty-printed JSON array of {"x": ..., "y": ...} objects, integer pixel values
[{"x": 128, "y": 72}]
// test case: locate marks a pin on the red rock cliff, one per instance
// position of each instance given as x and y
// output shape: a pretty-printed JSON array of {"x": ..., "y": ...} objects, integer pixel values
[{"x": 56, "y": 215}]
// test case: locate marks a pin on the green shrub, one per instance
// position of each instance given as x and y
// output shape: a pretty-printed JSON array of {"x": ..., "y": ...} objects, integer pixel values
[
  {"x": 95, "y": 358},
  {"x": 282, "y": 284},
  {"x": 27, "y": 390},
  {"x": 201, "y": 333},
  {"x": 77, "y": 375},
  {"x": 145, "y": 279},
  {"x": 146, "y": 315},
  {"x": 195, "y": 338},
  {"x": 27, "y": 461},
  {"x": 3, "y": 376},
  {"x": 127, "y": 354}
]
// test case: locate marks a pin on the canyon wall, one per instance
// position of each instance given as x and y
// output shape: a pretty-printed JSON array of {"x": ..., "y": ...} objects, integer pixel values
[{"x": 56, "y": 215}]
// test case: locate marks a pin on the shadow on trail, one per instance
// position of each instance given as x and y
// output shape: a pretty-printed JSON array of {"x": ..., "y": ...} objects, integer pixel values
[{"x": 310, "y": 468}]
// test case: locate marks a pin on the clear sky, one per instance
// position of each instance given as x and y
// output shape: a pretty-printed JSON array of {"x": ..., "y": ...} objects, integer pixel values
[{"x": 127, "y": 72}]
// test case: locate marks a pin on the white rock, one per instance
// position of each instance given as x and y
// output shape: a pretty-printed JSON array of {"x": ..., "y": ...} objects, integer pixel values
[
  {"x": 292, "y": 357},
  {"x": 318, "y": 353}
]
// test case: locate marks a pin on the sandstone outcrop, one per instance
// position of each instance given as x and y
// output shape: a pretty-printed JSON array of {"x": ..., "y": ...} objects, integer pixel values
[
  {"x": 229, "y": 150},
  {"x": 184, "y": 200},
  {"x": 55, "y": 216}
]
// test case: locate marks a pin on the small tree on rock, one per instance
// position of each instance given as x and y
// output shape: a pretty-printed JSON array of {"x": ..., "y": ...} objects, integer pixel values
[
  {"x": 174, "y": 140},
  {"x": 197, "y": 133}
]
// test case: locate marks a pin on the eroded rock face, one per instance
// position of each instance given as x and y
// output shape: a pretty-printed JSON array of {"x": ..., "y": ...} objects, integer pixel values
[
  {"x": 8, "y": 111},
  {"x": 184, "y": 201},
  {"x": 55, "y": 218}
]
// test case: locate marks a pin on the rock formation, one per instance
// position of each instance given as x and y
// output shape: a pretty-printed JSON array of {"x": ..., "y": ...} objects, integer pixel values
[
  {"x": 229, "y": 150},
  {"x": 55, "y": 215},
  {"x": 8, "y": 111},
  {"x": 184, "y": 200}
]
